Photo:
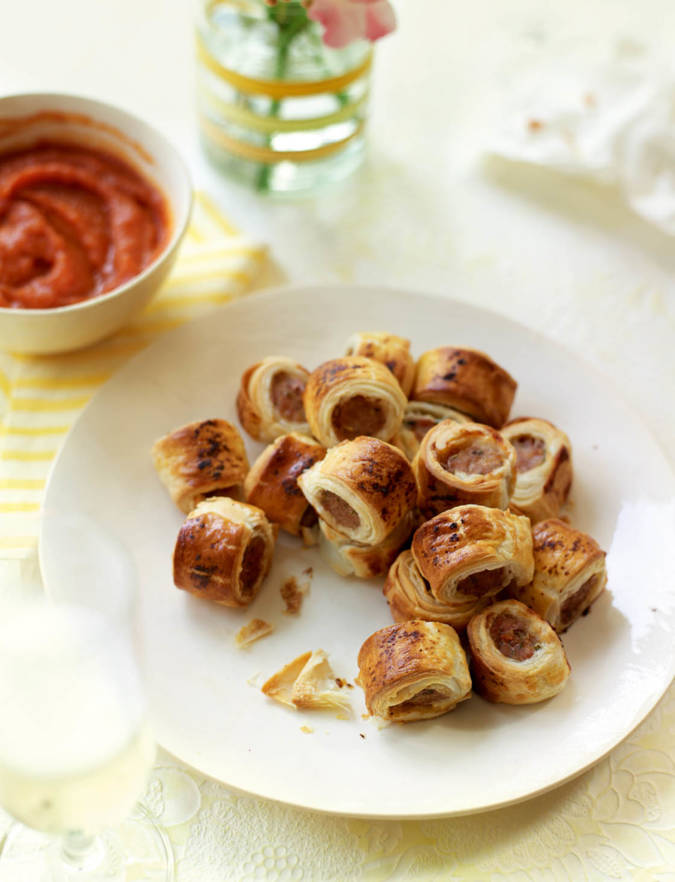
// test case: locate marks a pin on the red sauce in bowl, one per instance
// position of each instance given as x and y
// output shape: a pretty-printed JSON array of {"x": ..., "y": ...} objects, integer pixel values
[{"x": 74, "y": 223}]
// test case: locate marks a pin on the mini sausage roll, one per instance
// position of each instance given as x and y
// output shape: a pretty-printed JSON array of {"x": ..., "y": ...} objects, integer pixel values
[
  {"x": 362, "y": 489},
  {"x": 201, "y": 459},
  {"x": 516, "y": 657},
  {"x": 364, "y": 561},
  {"x": 413, "y": 671},
  {"x": 467, "y": 380},
  {"x": 419, "y": 417},
  {"x": 473, "y": 552},
  {"x": 463, "y": 463},
  {"x": 272, "y": 484},
  {"x": 543, "y": 467},
  {"x": 409, "y": 597},
  {"x": 569, "y": 573},
  {"x": 391, "y": 351},
  {"x": 270, "y": 398},
  {"x": 224, "y": 551},
  {"x": 348, "y": 397}
]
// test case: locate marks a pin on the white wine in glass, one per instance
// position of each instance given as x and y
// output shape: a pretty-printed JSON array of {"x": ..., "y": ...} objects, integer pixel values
[{"x": 75, "y": 747}]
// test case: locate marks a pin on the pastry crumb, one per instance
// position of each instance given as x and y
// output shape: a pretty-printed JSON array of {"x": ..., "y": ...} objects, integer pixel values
[
  {"x": 254, "y": 630},
  {"x": 307, "y": 730},
  {"x": 361, "y": 735},
  {"x": 307, "y": 682},
  {"x": 341, "y": 683},
  {"x": 293, "y": 592}
]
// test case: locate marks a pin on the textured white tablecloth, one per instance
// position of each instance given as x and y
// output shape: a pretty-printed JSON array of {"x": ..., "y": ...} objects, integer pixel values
[{"x": 564, "y": 257}]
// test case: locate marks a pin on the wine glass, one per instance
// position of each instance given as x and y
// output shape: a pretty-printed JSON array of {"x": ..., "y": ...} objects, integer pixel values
[{"x": 75, "y": 746}]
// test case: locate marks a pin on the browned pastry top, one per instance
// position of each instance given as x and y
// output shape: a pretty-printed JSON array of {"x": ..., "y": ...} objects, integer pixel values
[
  {"x": 199, "y": 459},
  {"x": 272, "y": 483},
  {"x": 401, "y": 649},
  {"x": 207, "y": 562},
  {"x": 468, "y": 535},
  {"x": 561, "y": 550},
  {"x": 468, "y": 380}
]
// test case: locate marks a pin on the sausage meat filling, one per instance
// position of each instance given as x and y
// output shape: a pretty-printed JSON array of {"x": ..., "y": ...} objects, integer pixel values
[
  {"x": 483, "y": 582},
  {"x": 575, "y": 604},
  {"x": 421, "y": 426},
  {"x": 423, "y": 698},
  {"x": 530, "y": 452},
  {"x": 286, "y": 392},
  {"x": 341, "y": 512},
  {"x": 512, "y": 637},
  {"x": 477, "y": 458},
  {"x": 358, "y": 416},
  {"x": 251, "y": 567}
]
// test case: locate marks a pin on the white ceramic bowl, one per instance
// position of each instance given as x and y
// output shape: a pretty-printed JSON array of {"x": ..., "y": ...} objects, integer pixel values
[{"x": 104, "y": 127}]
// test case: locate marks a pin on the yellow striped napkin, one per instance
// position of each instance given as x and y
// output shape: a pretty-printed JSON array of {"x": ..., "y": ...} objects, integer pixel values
[{"x": 40, "y": 396}]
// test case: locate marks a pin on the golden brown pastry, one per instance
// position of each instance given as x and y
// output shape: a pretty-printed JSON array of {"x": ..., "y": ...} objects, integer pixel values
[
  {"x": 364, "y": 561},
  {"x": 270, "y": 398},
  {"x": 362, "y": 489},
  {"x": 472, "y": 552},
  {"x": 413, "y": 671},
  {"x": 409, "y": 597},
  {"x": 348, "y": 397},
  {"x": 419, "y": 417},
  {"x": 391, "y": 351},
  {"x": 569, "y": 573},
  {"x": 272, "y": 484},
  {"x": 543, "y": 467},
  {"x": 224, "y": 551},
  {"x": 201, "y": 459},
  {"x": 463, "y": 463},
  {"x": 467, "y": 380},
  {"x": 516, "y": 657}
]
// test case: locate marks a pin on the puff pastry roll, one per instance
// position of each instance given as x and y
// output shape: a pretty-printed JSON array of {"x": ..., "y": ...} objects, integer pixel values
[
  {"x": 270, "y": 398},
  {"x": 419, "y": 417},
  {"x": 413, "y": 671},
  {"x": 472, "y": 552},
  {"x": 362, "y": 489},
  {"x": 224, "y": 551},
  {"x": 543, "y": 467},
  {"x": 464, "y": 463},
  {"x": 391, "y": 351},
  {"x": 409, "y": 597},
  {"x": 516, "y": 656},
  {"x": 353, "y": 396},
  {"x": 467, "y": 380},
  {"x": 272, "y": 483},
  {"x": 569, "y": 573},
  {"x": 364, "y": 561},
  {"x": 201, "y": 459}
]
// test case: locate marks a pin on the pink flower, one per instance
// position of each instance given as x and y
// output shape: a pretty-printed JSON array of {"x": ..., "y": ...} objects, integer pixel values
[{"x": 348, "y": 20}]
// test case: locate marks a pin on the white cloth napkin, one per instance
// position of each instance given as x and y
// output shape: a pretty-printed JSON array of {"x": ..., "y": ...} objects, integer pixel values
[{"x": 613, "y": 124}]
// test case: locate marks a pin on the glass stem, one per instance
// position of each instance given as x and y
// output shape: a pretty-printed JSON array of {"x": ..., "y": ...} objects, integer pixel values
[{"x": 81, "y": 850}]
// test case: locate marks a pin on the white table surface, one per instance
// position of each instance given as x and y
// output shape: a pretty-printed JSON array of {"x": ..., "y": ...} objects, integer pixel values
[{"x": 425, "y": 212}]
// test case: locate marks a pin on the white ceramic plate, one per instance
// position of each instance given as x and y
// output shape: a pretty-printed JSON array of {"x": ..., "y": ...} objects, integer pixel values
[{"x": 481, "y": 755}]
